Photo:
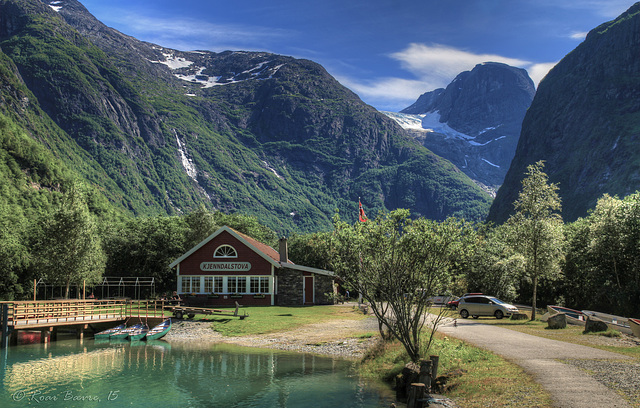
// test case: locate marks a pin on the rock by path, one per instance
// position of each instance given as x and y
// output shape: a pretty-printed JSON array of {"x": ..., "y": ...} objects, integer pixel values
[{"x": 569, "y": 386}]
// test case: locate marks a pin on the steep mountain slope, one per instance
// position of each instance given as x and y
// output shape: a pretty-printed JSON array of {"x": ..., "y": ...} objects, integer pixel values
[
  {"x": 265, "y": 134},
  {"x": 585, "y": 122},
  {"x": 474, "y": 122}
]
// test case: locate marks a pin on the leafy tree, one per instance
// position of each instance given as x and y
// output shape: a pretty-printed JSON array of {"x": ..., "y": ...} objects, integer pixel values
[
  {"x": 14, "y": 254},
  {"x": 494, "y": 267},
  {"x": 69, "y": 250},
  {"x": 536, "y": 230},
  {"x": 396, "y": 264},
  {"x": 603, "y": 260},
  {"x": 144, "y": 247}
]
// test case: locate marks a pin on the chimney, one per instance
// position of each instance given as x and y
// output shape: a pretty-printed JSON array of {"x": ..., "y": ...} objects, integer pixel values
[{"x": 284, "y": 252}]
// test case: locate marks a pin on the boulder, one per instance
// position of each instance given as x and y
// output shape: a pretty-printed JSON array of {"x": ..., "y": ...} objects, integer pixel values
[
  {"x": 519, "y": 316},
  {"x": 594, "y": 324},
  {"x": 557, "y": 321}
]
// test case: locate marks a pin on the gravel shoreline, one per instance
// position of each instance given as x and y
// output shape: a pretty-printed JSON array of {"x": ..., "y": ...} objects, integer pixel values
[{"x": 334, "y": 338}]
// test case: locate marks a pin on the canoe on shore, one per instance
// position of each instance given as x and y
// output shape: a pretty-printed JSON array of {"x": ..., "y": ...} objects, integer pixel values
[
  {"x": 106, "y": 333},
  {"x": 139, "y": 333},
  {"x": 634, "y": 324},
  {"x": 614, "y": 322},
  {"x": 159, "y": 330},
  {"x": 574, "y": 317},
  {"x": 124, "y": 333}
]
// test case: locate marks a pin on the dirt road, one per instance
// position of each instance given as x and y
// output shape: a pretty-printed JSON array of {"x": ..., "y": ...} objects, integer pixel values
[{"x": 569, "y": 386}]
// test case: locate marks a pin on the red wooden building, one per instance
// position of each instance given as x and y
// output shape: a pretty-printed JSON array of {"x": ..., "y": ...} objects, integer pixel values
[{"x": 229, "y": 267}]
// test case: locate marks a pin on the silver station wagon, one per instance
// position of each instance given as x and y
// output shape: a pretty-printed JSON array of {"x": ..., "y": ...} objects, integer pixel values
[{"x": 482, "y": 305}]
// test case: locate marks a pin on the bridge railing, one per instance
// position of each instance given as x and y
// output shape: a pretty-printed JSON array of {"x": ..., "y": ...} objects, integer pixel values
[{"x": 27, "y": 313}]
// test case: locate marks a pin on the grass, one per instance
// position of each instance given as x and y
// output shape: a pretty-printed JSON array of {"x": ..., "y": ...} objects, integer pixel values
[
  {"x": 478, "y": 378},
  {"x": 273, "y": 319}
]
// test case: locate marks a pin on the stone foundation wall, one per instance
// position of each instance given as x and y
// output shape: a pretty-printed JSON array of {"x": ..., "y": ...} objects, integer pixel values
[
  {"x": 289, "y": 287},
  {"x": 290, "y": 292},
  {"x": 323, "y": 284}
]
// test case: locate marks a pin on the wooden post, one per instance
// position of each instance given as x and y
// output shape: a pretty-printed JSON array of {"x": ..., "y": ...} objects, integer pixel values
[
  {"x": 84, "y": 289},
  {"x": 5, "y": 325},
  {"x": 434, "y": 370},
  {"x": 425, "y": 374},
  {"x": 416, "y": 395}
]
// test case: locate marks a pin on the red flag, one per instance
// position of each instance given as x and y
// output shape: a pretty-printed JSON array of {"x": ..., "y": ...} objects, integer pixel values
[{"x": 361, "y": 214}]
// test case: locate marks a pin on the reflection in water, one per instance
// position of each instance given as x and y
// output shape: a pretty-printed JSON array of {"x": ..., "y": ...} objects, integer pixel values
[{"x": 152, "y": 374}]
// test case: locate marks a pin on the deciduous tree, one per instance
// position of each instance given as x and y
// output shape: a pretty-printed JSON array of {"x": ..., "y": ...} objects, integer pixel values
[
  {"x": 396, "y": 264},
  {"x": 69, "y": 249},
  {"x": 536, "y": 229}
]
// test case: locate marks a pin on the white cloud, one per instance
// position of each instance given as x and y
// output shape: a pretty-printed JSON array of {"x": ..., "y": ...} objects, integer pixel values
[
  {"x": 538, "y": 71},
  {"x": 439, "y": 63},
  {"x": 190, "y": 34},
  {"x": 433, "y": 66},
  {"x": 396, "y": 89},
  {"x": 579, "y": 35}
]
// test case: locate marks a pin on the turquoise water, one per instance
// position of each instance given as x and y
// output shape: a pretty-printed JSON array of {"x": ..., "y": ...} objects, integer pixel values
[{"x": 156, "y": 374}]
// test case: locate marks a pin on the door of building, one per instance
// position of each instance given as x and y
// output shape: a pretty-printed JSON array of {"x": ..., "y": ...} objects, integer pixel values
[{"x": 308, "y": 290}]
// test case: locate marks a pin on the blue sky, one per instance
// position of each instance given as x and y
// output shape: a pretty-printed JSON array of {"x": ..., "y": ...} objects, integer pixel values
[{"x": 387, "y": 51}]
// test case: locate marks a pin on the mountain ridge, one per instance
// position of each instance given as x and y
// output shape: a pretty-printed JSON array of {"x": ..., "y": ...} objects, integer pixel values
[
  {"x": 588, "y": 105},
  {"x": 265, "y": 134},
  {"x": 475, "y": 121}
]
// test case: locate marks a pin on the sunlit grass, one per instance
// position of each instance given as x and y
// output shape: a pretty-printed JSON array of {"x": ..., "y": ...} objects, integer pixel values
[
  {"x": 271, "y": 319},
  {"x": 479, "y": 378}
]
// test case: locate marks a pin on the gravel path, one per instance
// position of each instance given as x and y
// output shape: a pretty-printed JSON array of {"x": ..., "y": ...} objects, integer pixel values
[{"x": 575, "y": 376}]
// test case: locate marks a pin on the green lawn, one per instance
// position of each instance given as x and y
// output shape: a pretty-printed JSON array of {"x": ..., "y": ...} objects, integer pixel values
[{"x": 271, "y": 319}]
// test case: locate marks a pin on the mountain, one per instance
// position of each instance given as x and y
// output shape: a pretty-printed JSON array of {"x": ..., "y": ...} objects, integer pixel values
[
  {"x": 474, "y": 122},
  {"x": 584, "y": 122},
  {"x": 162, "y": 131}
]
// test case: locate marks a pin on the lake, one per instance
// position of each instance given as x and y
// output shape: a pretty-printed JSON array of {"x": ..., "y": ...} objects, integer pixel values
[{"x": 70, "y": 373}]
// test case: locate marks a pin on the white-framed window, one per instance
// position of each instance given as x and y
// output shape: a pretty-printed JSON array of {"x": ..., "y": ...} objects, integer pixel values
[
  {"x": 218, "y": 284},
  {"x": 190, "y": 284},
  {"x": 186, "y": 284},
  {"x": 195, "y": 284},
  {"x": 208, "y": 284},
  {"x": 237, "y": 284},
  {"x": 225, "y": 251},
  {"x": 259, "y": 284}
]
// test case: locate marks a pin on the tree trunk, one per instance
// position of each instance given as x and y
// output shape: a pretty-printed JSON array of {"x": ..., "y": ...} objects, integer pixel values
[{"x": 535, "y": 295}]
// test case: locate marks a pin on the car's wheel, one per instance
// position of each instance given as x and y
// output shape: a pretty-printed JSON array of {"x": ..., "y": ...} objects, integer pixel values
[
  {"x": 464, "y": 313},
  {"x": 498, "y": 314},
  {"x": 475, "y": 317}
]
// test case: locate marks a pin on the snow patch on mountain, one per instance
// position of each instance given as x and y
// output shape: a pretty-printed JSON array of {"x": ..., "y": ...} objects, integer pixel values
[
  {"x": 488, "y": 162},
  {"x": 174, "y": 62},
  {"x": 195, "y": 74},
  {"x": 431, "y": 120},
  {"x": 408, "y": 121},
  {"x": 471, "y": 142},
  {"x": 55, "y": 5}
]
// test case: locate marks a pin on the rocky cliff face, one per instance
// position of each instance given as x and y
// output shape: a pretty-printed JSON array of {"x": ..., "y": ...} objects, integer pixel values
[
  {"x": 585, "y": 122},
  {"x": 475, "y": 122},
  {"x": 254, "y": 132}
]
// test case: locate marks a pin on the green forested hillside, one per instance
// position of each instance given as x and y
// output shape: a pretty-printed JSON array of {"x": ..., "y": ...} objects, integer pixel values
[{"x": 162, "y": 132}]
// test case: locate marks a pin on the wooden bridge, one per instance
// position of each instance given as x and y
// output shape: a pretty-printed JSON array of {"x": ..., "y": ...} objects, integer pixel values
[{"x": 47, "y": 316}]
